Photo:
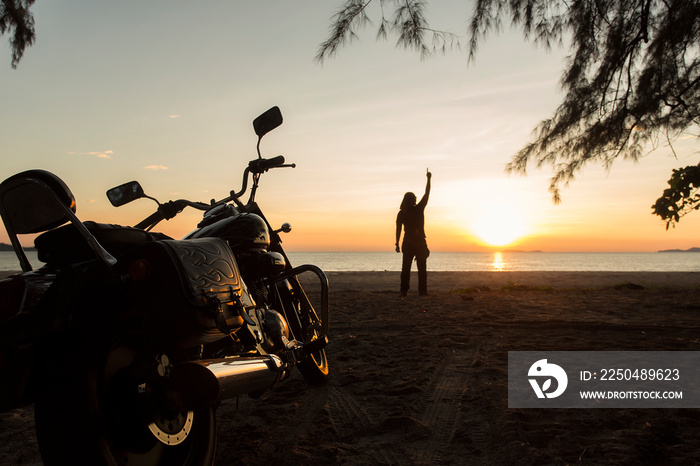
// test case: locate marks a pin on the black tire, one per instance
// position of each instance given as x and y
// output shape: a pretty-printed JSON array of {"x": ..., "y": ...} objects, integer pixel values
[
  {"x": 314, "y": 368},
  {"x": 92, "y": 411}
]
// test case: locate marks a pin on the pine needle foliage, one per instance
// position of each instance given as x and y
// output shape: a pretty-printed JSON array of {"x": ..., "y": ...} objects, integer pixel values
[
  {"x": 405, "y": 19},
  {"x": 17, "y": 21}
]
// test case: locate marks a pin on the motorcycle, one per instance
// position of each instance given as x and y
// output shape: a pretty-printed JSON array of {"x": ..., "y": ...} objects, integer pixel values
[{"x": 126, "y": 340}]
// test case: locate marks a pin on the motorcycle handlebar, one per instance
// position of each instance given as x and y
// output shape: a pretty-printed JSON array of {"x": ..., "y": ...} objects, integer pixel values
[
  {"x": 262, "y": 165},
  {"x": 171, "y": 208},
  {"x": 150, "y": 221},
  {"x": 167, "y": 211}
]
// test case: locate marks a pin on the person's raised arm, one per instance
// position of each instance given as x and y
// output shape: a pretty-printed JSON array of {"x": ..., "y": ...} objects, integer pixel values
[{"x": 424, "y": 200}]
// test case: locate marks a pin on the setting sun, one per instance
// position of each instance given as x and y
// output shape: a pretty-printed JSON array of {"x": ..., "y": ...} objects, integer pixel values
[{"x": 500, "y": 227}]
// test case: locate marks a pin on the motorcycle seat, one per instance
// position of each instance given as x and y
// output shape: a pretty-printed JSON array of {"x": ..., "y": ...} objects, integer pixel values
[{"x": 65, "y": 245}]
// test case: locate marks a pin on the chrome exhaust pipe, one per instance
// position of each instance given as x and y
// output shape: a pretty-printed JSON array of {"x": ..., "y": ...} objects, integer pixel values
[{"x": 210, "y": 380}]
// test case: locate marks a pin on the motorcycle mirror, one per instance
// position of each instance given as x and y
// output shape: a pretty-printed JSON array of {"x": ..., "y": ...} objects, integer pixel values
[
  {"x": 268, "y": 121},
  {"x": 285, "y": 228},
  {"x": 125, "y": 193}
]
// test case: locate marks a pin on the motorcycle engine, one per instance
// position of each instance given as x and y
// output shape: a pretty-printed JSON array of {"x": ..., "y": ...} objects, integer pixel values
[{"x": 276, "y": 327}]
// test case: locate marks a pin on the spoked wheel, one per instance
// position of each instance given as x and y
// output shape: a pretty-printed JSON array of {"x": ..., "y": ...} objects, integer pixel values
[
  {"x": 116, "y": 409},
  {"x": 304, "y": 323}
]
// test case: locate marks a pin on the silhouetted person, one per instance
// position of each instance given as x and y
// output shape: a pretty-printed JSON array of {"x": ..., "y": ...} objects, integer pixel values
[{"x": 411, "y": 216}]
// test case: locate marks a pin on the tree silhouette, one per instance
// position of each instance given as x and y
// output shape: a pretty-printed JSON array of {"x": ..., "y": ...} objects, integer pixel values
[
  {"x": 681, "y": 197},
  {"x": 630, "y": 82},
  {"x": 15, "y": 15}
]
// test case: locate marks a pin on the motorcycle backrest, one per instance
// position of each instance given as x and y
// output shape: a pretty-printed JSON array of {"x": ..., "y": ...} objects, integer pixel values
[{"x": 35, "y": 201}]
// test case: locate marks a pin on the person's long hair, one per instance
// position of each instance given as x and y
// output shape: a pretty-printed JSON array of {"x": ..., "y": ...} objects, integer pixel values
[{"x": 409, "y": 200}]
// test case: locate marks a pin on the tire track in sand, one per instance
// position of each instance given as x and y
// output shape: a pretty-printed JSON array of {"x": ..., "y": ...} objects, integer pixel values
[
  {"x": 442, "y": 409},
  {"x": 351, "y": 420}
]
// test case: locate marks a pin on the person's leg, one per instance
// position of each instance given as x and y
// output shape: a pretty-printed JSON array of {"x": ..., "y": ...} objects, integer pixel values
[
  {"x": 406, "y": 272},
  {"x": 421, "y": 262}
]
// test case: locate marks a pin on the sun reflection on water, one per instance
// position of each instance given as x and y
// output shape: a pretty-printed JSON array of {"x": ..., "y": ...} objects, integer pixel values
[{"x": 498, "y": 263}]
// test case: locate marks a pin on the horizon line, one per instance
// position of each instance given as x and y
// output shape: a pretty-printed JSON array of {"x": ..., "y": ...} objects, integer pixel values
[{"x": 537, "y": 251}]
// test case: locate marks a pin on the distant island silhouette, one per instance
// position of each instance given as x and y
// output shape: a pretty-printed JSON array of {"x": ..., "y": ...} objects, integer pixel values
[
  {"x": 8, "y": 247},
  {"x": 681, "y": 250}
]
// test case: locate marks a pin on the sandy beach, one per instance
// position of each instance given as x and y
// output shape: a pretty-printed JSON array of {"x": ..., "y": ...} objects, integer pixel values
[{"x": 423, "y": 380}]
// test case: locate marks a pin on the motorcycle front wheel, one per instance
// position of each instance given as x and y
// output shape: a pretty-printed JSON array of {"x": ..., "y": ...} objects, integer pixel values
[
  {"x": 303, "y": 322},
  {"x": 315, "y": 368},
  {"x": 98, "y": 409}
]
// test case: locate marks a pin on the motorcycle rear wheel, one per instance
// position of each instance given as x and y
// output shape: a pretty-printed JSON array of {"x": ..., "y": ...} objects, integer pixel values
[{"x": 92, "y": 411}]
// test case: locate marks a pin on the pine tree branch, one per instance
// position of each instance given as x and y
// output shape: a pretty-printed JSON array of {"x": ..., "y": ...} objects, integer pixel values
[{"x": 15, "y": 15}]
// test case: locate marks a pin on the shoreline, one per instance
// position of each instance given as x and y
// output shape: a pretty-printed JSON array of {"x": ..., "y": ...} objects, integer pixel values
[{"x": 452, "y": 281}]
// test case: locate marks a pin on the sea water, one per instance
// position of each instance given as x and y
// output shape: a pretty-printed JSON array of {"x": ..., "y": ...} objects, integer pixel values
[
  {"x": 477, "y": 261},
  {"x": 507, "y": 261}
]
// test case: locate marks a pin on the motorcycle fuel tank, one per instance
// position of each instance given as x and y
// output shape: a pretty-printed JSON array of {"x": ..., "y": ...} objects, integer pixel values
[{"x": 244, "y": 232}]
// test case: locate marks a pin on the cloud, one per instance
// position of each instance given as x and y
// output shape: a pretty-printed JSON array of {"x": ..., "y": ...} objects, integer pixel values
[
  {"x": 155, "y": 167},
  {"x": 102, "y": 155},
  {"x": 106, "y": 154},
  {"x": 174, "y": 116}
]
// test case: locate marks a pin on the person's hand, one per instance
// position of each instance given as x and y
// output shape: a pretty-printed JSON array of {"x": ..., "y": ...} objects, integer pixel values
[
  {"x": 428, "y": 174},
  {"x": 398, "y": 249}
]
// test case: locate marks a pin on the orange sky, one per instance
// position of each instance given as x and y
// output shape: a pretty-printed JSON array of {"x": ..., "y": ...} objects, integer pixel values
[{"x": 118, "y": 91}]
